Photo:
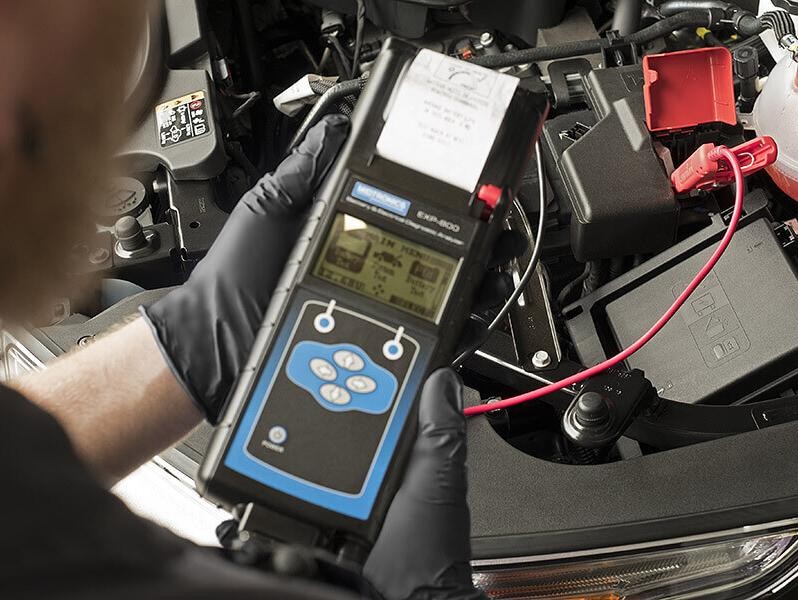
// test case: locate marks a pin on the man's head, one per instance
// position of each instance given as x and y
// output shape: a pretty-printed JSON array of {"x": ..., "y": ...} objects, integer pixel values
[{"x": 62, "y": 82}]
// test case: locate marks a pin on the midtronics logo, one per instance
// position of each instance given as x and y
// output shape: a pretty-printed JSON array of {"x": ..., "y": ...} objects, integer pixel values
[{"x": 377, "y": 197}]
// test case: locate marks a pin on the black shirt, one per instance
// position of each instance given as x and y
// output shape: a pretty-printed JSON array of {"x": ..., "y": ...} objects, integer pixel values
[{"x": 64, "y": 536}]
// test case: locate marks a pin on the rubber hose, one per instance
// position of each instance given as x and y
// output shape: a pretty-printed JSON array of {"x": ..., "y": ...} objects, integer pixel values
[
  {"x": 691, "y": 18},
  {"x": 628, "y": 14},
  {"x": 673, "y": 7},
  {"x": 744, "y": 22}
]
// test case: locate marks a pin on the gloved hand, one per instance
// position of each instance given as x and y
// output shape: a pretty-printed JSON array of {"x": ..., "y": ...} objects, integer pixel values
[
  {"x": 423, "y": 550},
  {"x": 206, "y": 327}
]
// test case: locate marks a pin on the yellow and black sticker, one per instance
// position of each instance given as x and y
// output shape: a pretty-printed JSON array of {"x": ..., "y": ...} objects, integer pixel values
[{"x": 182, "y": 119}]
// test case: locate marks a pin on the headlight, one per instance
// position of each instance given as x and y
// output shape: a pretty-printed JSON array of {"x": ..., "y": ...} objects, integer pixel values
[
  {"x": 17, "y": 363},
  {"x": 15, "y": 360},
  {"x": 738, "y": 566}
]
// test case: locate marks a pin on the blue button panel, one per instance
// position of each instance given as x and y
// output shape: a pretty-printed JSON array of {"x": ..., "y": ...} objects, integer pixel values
[
  {"x": 342, "y": 377},
  {"x": 370, "y": 387}
]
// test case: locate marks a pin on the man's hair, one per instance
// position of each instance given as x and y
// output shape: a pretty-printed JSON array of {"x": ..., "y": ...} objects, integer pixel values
[{"x": 61, "y": 108}]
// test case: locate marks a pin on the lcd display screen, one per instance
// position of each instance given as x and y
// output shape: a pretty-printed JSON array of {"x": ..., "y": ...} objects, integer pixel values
[{"x": 383, "y": 266}]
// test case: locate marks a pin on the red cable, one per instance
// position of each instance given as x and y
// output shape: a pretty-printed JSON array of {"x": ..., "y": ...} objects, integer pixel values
[{"x": 721, "y": 152}]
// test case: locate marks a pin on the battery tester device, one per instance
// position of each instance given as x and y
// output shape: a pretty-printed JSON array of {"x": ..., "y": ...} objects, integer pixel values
[{"x": 375, "y": 293}]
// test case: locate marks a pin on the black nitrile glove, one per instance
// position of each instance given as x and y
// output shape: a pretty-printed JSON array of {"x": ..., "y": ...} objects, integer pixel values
[
  {"x": 424, "y": 548},
  {"x": 206, "y": 327}
]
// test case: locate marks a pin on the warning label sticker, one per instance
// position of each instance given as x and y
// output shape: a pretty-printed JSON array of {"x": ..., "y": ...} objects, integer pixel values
[
  {"x": 445, "y": 117},
  {"x": 182, "y": 119}
]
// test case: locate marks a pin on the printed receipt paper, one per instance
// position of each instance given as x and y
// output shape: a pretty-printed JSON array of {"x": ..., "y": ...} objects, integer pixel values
[{"x": 444, "y": 118}]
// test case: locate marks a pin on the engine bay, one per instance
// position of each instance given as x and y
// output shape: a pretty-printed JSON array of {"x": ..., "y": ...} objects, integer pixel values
[{"x": 223, "y": 90}]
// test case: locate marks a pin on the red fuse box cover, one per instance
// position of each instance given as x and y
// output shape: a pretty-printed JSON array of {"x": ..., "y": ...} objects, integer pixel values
[{"x": 689, "y": 88}]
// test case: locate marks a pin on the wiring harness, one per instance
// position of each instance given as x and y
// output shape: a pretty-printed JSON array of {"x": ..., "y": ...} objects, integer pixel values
[
  {"x": 326, "y": 103},
  {"x": 783, "y": 28}
]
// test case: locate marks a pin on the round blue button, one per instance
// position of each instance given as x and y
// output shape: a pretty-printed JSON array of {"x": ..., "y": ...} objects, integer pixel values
[
  {"x": 392, "y": 350},
  {"x": 324, "y": 322}
]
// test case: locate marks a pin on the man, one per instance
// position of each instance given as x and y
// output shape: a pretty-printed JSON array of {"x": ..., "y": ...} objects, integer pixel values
[{"x": 68, "y": 433}]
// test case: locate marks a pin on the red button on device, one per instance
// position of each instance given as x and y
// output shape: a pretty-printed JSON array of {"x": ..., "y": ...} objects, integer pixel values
[{"x": 490, "y": 195}]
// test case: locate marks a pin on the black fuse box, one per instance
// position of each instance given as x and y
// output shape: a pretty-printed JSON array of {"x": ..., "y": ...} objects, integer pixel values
[
  {"x": 733, "y": 339},
  {"x": 621, "y": 196}
]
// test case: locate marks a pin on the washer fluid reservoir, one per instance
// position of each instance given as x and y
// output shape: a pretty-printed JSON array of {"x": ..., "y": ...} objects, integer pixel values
[{"x": 776, "y": 114}]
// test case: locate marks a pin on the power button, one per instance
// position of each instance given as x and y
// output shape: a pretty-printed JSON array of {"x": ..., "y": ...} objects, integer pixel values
[{"x": 277, "y": 435}]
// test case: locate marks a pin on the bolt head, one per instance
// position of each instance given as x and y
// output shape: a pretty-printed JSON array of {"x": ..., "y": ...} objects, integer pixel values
[
  {"x": 85, "y": 340},
  {"x": 486, "y": 39},
  {"x": 495, "y": 410},
  {"x": 541, "y": 359}
]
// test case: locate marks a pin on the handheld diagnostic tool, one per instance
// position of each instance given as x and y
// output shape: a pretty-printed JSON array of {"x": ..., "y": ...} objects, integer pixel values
[{"x": 375, "y": 293}]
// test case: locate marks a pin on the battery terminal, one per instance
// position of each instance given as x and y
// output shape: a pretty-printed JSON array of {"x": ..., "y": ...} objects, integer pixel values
[{"x": 705, "y": 169}]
